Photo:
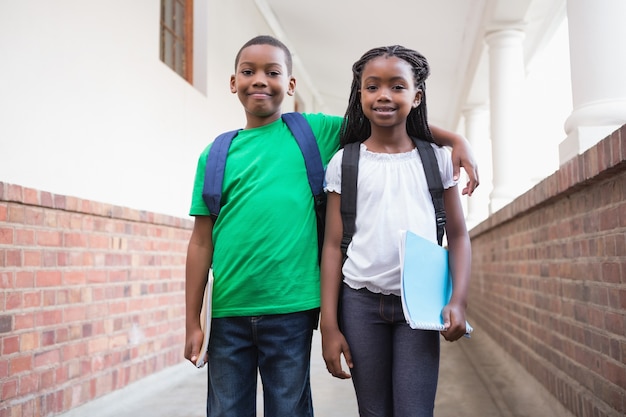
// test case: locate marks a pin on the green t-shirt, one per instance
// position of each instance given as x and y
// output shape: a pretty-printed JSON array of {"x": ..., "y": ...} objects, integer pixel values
[{"x": 265, "y": 238}]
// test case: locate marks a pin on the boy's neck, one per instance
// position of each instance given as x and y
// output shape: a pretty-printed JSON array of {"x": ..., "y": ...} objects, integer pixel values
[{"x": 253, "y": 121}]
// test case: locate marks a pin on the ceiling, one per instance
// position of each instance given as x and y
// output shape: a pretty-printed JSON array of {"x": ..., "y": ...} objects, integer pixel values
[{"x": 328, "y": 36}]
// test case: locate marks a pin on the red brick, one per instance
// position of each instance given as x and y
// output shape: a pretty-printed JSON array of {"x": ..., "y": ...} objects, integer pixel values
[
  {"x": 24, "y": 321},
  {"x": 4, "y": 368},
  {"x": 13, "y": 192},
  {"x": 12, "y": 257},
  {"x": 48, "y": 358},
  {"x": 616, "y": 323},
  {"x": 32, "y": 299},
  {"x": 24, "y": 279},
  {"x": 74, "y": 313},
  {"x": 48, "y": 338},
  {"x": 96, "y": 276},
  {"x": 9, "y": 388},
  {"x": 49, "y": 238},
  {"x": 611, "y": 272},
  {"x": 29, "y": 383},
  {"x": 6, "y": 323},
  {"x": 20, "y": 365},
  {"x": 29, "y": 341},
  {"x": 74, "y": 277},
  {"x": 6, "y": 236},
  {"x": 71, "y": 240},
  {"x": 15, "y": 214},
  {"x": 49, "y": 318},
  {"x": 33, "y": 216},
  {"x": 59, "y": 201},
  {"x": 62, "y": 335},
  {"x": 48, "y": 278},
  {"x": 10, "y": 344},
  {"x": 31, "y": 258},
  {"x": 97, "y": 241},
  {"x": 13, "y": 300}
]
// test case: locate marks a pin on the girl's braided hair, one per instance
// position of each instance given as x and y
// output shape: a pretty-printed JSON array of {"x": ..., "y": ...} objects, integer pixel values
[{"x": 356, "y": 127}]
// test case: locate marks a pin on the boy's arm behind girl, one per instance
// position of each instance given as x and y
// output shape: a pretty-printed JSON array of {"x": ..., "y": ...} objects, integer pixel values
[
  {"x": 462, "y": 156},
  {"x": 199, "y": 259}
]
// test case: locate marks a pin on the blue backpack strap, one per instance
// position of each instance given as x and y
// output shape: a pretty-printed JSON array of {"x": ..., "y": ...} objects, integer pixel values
[
  {"x": 301, "y": 130},
  {"x": 305, "y": 138},
  {"x": 214, "y": 172},
  {"x": 435, "y": 186}
]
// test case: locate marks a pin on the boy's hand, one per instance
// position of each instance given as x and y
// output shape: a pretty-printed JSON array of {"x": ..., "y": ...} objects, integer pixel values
[
  {"x": 193, "y": 344},
  {"x": 454, "y": 322},
  {"x": 333, "y": 345},
  {"x": 462, "y": 156}
]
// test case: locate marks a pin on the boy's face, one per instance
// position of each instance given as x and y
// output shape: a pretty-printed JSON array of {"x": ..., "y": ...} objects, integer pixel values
[{"x": 261, "y": 82}]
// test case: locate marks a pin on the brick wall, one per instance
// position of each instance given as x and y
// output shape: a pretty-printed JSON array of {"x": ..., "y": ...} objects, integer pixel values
[
  {"x": 549, "y": 280},
  {"x": 93, "y": 295},
  {"x": 92, "y": 299}
]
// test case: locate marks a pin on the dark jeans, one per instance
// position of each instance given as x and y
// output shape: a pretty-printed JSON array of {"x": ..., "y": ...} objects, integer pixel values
[
  {"x": 395, "y": 367},
  {"x": 278, "y": 347}
]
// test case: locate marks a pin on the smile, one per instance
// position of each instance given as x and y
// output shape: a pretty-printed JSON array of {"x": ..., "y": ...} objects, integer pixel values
[{"x": 259, "y": 95}]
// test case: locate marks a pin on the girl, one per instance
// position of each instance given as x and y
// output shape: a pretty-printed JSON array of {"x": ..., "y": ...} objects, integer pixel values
[{"x": 393, "y": 367}]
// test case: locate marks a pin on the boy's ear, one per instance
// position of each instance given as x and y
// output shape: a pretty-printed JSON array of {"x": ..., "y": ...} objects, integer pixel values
[
  {"x": 292, "y": 86},
  {"x": 233, "y": 87}
]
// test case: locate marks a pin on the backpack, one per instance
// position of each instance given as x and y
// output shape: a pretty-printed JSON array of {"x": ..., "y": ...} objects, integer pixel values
[
  {"x": 299, "y": 127},
  {"x": 349, "y": 175}
]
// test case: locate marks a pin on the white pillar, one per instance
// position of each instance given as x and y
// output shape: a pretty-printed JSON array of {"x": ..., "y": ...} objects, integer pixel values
[
  {"x": 506, "y": 78},
  {"x": 597, "y": 37},
  {"x": 477, "y": 133}
]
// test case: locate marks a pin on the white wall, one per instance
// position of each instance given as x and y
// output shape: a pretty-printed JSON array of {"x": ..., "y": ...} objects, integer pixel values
[{"x": 87, "y": 108}]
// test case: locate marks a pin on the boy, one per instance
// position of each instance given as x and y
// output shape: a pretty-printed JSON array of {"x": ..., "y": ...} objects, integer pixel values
[{"x": 263, "y": 248}]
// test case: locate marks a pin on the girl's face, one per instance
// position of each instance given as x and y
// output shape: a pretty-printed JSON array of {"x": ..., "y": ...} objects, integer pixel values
[
  {"x": 261, "y": 82},
  {"x": 388, "y": 92}
]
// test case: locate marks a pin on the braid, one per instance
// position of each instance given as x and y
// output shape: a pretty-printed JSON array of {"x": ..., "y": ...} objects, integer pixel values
[{"x": 356, "y": 127}]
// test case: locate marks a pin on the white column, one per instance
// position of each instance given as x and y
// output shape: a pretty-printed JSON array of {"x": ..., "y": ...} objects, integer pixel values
[
  {"x": 597, "y": 37},
  {"x": 477, "y": 133},
  {"x": 506, "y": 78}
]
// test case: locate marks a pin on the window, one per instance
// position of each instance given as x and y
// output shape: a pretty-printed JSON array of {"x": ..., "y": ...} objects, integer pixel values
[{"x": 177, "y": 36}]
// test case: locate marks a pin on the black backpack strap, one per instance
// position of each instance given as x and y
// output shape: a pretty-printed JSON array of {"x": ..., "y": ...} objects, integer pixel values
[
  {"x": 435, "y": 186},
  {"x": 349, "y": 176},
  {"x": 214, "y": 172}
]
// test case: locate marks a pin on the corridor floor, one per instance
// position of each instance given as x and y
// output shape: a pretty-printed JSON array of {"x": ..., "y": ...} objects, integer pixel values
[{"x": 477, "y": 379}]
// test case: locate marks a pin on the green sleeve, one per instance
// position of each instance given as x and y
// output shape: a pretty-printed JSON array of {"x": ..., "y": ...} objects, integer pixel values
[
  {"x": 198, "y": 207},
  {"x": 326, "y": 129}
]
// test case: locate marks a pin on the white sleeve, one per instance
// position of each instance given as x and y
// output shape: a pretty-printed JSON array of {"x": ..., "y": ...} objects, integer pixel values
[
  {"x": 333, "y": 173},
  {"x": 444, "y": 160}
]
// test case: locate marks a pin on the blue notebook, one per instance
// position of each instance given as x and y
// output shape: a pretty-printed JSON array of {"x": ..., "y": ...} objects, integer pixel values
[{"x": 426, "y": 283}]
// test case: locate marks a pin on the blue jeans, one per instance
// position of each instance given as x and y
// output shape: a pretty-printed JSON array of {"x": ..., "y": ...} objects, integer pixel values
[
  {"x": 396, "y": 368},
  {"x": 278, "y": 347}
]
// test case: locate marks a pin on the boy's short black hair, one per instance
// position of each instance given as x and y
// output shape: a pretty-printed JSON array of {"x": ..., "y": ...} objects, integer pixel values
[{"x": 267, "y": 40}]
